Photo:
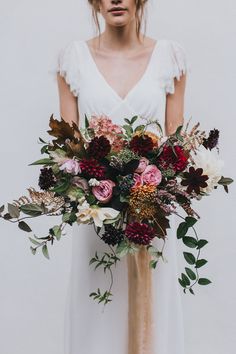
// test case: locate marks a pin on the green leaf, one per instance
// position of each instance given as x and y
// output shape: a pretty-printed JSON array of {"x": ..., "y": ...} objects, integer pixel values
[
  {"x": 190, "y": 273},
  {"x": 153, "y": 263},
  {"x": 139, "y": 128},
  {"x": 200, "y": 263},
  {"x": 182, "y": 229},
  {"x": 185, "y": 279},
  {"x": 127, "y": 121},
  {"x": 128, "y": 129},
  {"x": 45, "y": 251},
  {"x": 181, "y": 282},
  {"x": 24, "y": 226},
  {"x": 45, "y": 161},
  {"x": 62, "y": 187},
  {"x": 225, "y": 181},
  {"x": 42, "y": 141},
  {"x": 91, "y": 199},
  {"x": 2, "y": 209},
  {"x": 201, "y": 243},
  {"x": 190, "y": 241},
  {"x": 177, "y": 133},
  {"x": 31, "y": 209},
  {"x": 13, "y": 210},
  {"x": 33, "y": 250},
  {"x": 86, "y": 121},
  {"x": 133, "y": 119},
  {"x": 204, "y": 281},
  {"x": 189, "y": 257},
  {"x": 190, "y": 221},
  {"x": 122, "y": 249},
  {"x": 56, "y": 231},
  {"x": 34, "y": 241},
  {"x": 191, "y": 291}
]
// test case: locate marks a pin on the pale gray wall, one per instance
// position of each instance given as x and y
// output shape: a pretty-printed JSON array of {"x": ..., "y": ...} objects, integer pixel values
[{"x": 33, "y": 290}]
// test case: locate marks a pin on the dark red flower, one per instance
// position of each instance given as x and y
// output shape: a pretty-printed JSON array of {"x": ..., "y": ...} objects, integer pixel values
[
  {"x": 141, "y": 234},
  {"x": 92, "y": 169},
  {"x": 194, "y": 179},
  {"x": 177, "y": 159},
  {"x": 212, "y": 140},
  {"x": 99, "y": 147},
  {"x": 141, "y": 144}
]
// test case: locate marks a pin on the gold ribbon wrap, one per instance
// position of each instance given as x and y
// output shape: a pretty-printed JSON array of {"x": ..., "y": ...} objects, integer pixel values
[{"x": 140, "y": 331}]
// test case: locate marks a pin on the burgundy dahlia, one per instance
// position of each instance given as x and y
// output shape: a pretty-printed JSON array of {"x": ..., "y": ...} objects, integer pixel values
[
  {"x": 141, "y": 234},
  {"x": 92, "y": 169},
  {"x": 176, "y": 159},
  {"x": 99, "y": 147},
  {"x": 141, "y": 144},
  {"x": 194, "y": 179},
  {"x": 212, "y": 140}
]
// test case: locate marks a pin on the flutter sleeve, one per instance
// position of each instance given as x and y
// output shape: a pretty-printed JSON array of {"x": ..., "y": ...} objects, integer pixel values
[
  {"x": 175, "y": 64},
  {"x": 67, "y": 64}
]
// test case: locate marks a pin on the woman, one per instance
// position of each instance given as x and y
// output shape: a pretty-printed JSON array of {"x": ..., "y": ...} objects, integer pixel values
[{"x": 121, "y": 75}]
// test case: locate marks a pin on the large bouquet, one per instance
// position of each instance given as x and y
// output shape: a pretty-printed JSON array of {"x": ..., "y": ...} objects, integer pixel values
[{"x": 126, "y": 181}]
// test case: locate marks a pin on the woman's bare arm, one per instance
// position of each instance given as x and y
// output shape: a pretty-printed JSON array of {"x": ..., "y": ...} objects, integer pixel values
[
  {"x": 68, "y": 102},
  {"x": 175, "y": 106}
]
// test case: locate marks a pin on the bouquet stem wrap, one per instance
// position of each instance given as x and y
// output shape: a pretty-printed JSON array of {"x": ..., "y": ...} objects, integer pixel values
[{"x": 140, "y": 303}]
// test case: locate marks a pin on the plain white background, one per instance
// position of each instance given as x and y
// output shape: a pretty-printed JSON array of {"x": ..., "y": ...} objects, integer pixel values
[{"x": 33, "y": 289}]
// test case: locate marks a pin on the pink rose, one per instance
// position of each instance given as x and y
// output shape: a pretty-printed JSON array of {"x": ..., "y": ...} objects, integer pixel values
[
  {"x": 103, "y": 192},
  {"x": 142, "y": 165},
  {"x": 137, "y": 180},
  {"x": 151, "y": 175},
  {"x": 71, "y": 166},
  {"x": 80, "y": 183}
]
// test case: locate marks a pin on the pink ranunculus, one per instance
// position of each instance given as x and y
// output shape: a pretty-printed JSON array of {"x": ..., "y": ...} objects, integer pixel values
[
  {"x": 142, "y": 165},
  {"x": 71, "y": 166},
  {"x": 137, "y": 180},
  {"x": 80, "y": 183},
  {"x": 151, "y": 175},
  {"x": 103, "y": 192}
]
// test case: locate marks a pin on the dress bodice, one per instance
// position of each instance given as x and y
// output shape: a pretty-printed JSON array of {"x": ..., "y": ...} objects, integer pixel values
[{"x": 147, "y": 98}]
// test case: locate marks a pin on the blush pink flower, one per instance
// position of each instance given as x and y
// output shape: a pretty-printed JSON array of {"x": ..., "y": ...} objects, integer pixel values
[
  {"x": 71, "y": 166},
  {"x": 142, "y": 165},
  {"x": 103, "y": 192},
  {"x": 138, "y": 181},
  {"x": 80, "y": 183},
  {"x": 103, "y": 125},
  {"x": 151, "y": 175}
]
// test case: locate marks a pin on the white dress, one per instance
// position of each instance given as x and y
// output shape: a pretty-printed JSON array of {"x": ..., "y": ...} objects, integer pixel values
[{"x": 90, "y": 328}]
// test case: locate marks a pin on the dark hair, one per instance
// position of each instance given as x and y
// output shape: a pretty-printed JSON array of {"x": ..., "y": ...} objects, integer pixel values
[{"x": 139, "y": 14}]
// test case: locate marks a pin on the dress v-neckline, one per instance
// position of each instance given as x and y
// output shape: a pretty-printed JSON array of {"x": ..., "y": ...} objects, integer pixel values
[{"x": 121, "y": 99}]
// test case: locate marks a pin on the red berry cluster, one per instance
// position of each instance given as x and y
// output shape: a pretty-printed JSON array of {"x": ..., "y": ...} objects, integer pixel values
[{"x": 92, "y": 169}]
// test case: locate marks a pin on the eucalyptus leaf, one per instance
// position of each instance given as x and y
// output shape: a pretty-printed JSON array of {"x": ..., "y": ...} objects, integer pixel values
[
  {"x": 45, "y": 251},
  {"x": 34, "y": 241},
  {"x": 13, "y": 210},
  {"x": 31, "y": 209},
  {"x": 24, "y": 226},
  {"x": 2, "y": 208}
]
